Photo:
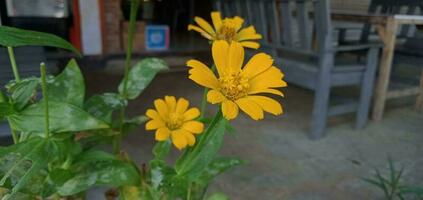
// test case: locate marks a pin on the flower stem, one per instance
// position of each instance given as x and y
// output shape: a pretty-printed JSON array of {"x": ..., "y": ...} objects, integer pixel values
[
  {"x": 13, "y": 62},
  {"x": 204, "y": 100},
  {"x": 17, "y": 79},
  {"x": 45, "y": 96},
  {"x": 14, "y": 134},
  {"x": 132, "y": 23}
]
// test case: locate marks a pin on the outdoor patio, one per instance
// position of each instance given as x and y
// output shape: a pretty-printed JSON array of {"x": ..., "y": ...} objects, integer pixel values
[{"x": 283, "y": 163}]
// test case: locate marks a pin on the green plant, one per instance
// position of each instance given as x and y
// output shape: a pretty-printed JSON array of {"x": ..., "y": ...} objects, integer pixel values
[
  {"x": 57, "y": 137},
  {"x": 392, "y": 185}
]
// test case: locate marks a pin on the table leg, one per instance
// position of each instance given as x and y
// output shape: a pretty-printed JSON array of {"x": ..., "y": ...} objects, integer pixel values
[
  {"x": 419, "y": 102},
  {"x": 388, "y": 34}
]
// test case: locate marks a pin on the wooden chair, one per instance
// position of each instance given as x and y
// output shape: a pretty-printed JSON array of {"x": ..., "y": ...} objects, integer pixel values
[
  {"x": 410, "y": 7},
  {"x": 287, "y": 27}
]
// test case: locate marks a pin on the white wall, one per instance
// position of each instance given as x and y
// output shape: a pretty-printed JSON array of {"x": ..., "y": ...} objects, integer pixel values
[{"x": 90, "y": 27}]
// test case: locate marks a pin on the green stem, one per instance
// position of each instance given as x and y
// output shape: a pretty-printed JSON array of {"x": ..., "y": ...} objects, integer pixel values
[
  {"x": 13, "y": 62},
  {"x": 45, "y": 96},
  {"x": 14, "y": 134},
  {"x": 17, "y": 79},
  {"x": 204, "y": 100},
  {"x": 189, "y": 192},
  {"x": 131, "y": 31}
]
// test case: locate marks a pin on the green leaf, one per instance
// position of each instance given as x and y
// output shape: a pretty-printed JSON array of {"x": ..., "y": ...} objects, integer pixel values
[
  {"x": 2, "y": 97},
  {"x": 68, "y": 86},
  {"x": 141, "y": 75},
  {"x": 99, "y": 168},
  {"x": 64, "y": 117},
  {"x": 204, "y": 151},
  {"x": 14, "y": 37},
  {"x": 22, "y": 92},
  {"x": 21, "y": 162},
  {"x": 218, "y": 196},
  {"x": 161, "y": 149},
  {"x": 218, "y": 166},
  {"x": 102, "y": 106},
  {"x": 5, "y": 109}
]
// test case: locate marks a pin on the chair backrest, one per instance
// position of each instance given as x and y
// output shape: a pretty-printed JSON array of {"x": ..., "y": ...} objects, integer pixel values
[
  {"x": 285, "y": 24},
  {"x": 410, "y": 7}
]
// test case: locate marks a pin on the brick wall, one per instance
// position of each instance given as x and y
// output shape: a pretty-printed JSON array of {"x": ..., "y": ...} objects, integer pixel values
[{"x": 113, "y": 17}]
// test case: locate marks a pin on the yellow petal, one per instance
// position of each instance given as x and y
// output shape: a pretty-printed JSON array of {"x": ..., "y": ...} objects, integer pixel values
[
  {"x": 250, "y": 108},
  {"x": 179, "y": 139},
  {"x": 193, "y": 126},
  {"x": 236, "y": 57},
  {"x": 152, "y": 114},
  {"x": 252, "y": 45},
  {"x": 214, "y": 97},
  {"x": 190, "y": 138},
  {"x": 204, "y": 25},
  {"x": 267, "y": 90},
  {"x": 267, "y": 104},
  {"x": 162, "y": 134},
  {"x": 271, "y": 78},
  {"x": 201, "y": 74},
  {"x": 191, "y": 114},
  {"x": 171, "y": 102},
  {"x": 257, "y": 64},
  {"x": 153, "y": 124},
  {"x": 248, "y": 33},
  {"x": 217, "y": 20},
  {"x": 182, "y": 105},
  {"x": 238, "y": 21},
  {"x": 162, "y": 108},
  {"x": 201, "y": 31},
  {"x": 220, "y": 54},
  {"x": 229, "y": 109}
]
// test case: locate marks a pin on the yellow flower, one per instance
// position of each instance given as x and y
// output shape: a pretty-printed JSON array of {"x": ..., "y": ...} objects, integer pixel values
[
  {"x": 172, "y": 119},
  {"x": 239, "y": 87},
  {"x": 228, "y": 29}
]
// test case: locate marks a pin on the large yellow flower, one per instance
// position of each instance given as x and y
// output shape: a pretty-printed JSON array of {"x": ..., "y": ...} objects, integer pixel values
[
  {"x": 239, "y": 87},
  {"x": 172, "y": 119},
  {"x": 229, "y": 29}
]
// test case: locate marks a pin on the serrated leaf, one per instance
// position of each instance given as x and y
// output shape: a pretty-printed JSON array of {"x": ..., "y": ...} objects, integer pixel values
[
  {"x": 99, "y": 168},
  {"x": 102, "y": 106},
  {"x": 22, "y": 92},
  {"x": 15, "y": 37},
  {"x": 68, "y": 86},
  {"x": 34, "y": 154},
  {"x": 64, "y": 117},
  {"x": 141, "y": 75},
  {"x": 216, "y": 167}
]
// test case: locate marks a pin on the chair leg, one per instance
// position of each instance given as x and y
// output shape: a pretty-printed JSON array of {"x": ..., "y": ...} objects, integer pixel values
[
  {"x": 321, "y": 98},
  {"x": 367, "y": 89},
  {"x": 419, "y": 102}
]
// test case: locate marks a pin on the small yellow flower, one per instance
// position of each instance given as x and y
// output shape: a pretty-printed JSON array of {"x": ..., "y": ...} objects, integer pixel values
[
  {"x": 228, "y": 29},
  {"x": 172, "y": 119},
  {"x": 239, "y": 87}
]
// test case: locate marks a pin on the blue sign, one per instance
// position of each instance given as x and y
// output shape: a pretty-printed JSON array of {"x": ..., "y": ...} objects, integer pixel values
[{"x": 157, "y": 37}]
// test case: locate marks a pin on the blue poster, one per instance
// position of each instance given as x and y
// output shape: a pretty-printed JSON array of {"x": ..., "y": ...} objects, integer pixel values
[{"x": 157, "y": 37}]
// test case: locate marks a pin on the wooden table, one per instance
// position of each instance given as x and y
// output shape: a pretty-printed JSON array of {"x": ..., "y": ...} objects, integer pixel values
[{"x": 387, "y": 27}]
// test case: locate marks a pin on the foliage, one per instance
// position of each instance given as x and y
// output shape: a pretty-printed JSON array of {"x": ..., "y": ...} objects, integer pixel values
[
  {"x": 58, "y": 137},
  {"x": 392, "y": 186}
]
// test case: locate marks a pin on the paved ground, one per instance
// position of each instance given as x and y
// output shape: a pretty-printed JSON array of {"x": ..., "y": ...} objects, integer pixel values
[{"x": 283, "y": 162}]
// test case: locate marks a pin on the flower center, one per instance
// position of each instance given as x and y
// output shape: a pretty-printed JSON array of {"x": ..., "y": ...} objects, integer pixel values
[
  {"x": 227, "y": 31},
  {"x": 234, "y": 86},
  {"x": 174, "y": 121}
]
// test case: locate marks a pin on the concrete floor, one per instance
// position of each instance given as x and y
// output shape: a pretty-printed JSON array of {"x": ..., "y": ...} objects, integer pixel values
[{"x": 283, "y": 162}]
